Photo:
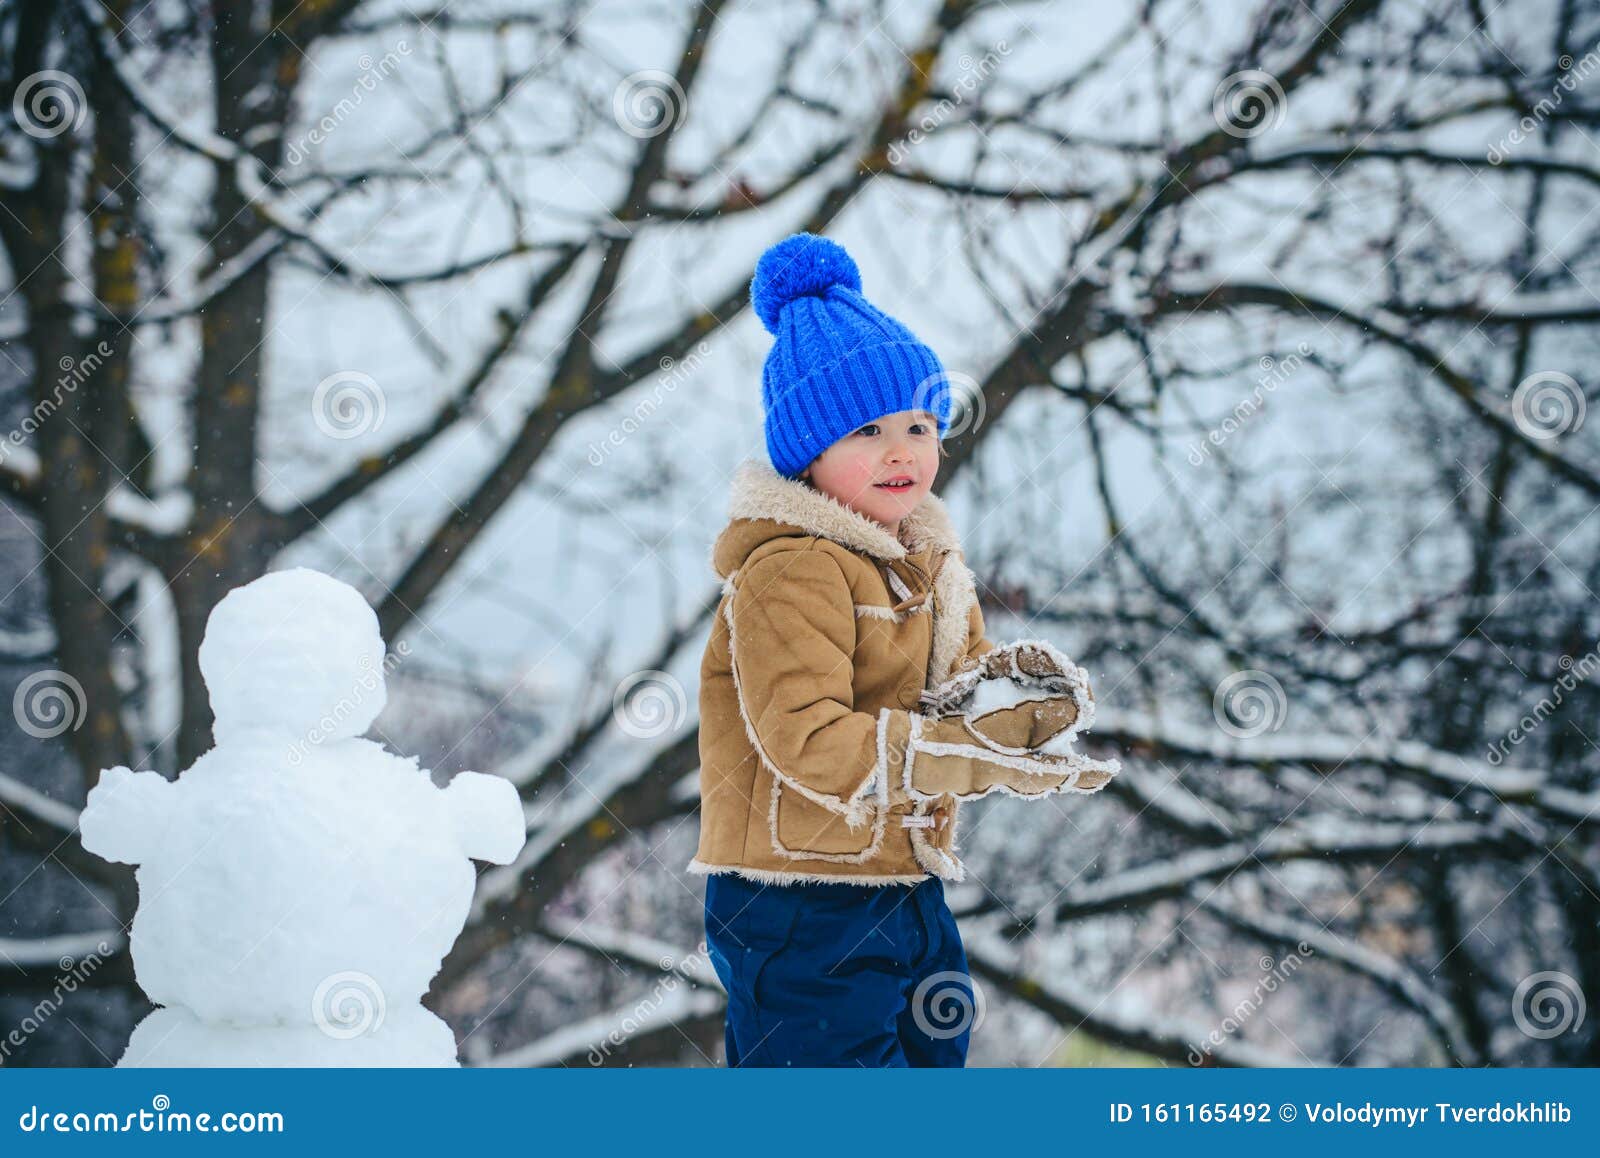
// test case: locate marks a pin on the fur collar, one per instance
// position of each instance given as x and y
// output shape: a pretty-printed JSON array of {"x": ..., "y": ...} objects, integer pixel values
[
  {"x": 760, "y": 492},
  {"x": 765, "y": 503}
]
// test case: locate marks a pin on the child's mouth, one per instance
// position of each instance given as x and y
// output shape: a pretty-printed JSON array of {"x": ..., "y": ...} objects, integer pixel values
[{"x": 899, "y": 484}]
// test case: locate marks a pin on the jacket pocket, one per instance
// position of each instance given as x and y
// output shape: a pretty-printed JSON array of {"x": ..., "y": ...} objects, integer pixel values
[{"x": 804, "y": 828}]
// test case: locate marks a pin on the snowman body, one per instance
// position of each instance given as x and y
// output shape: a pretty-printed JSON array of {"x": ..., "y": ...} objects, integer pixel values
[{"x": 298, "y": 886}]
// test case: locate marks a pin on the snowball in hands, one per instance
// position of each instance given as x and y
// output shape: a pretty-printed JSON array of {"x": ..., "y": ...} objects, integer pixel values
[
  {"x": 997, "y": 694},
  {"x": 1020, "y": 672},
  {"x": 993, "y": 695},
  {"x": 299, "y": 886}
]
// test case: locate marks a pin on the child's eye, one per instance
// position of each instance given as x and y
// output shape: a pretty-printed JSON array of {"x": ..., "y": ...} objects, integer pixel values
[
  {"x": 869, "y": 429},
  {"x": 919, "y": 428}
]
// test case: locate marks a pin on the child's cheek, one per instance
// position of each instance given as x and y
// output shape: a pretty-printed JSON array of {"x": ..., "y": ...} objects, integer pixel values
[{"x": 860, "y": 477}]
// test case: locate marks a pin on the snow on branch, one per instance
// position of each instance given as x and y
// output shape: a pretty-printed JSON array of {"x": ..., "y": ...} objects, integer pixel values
[
  {"x": 1447, "y": 771},
  {"x": 634, "y": 948},
  {"x": 1385, "y": 325},
  {"x": 578, "y": 804},
  {"x": 21, "y": 804},
  {"x": 1075, "y": 1006},
  {"x": 60, "y": 952},
  {"x": 1392, "y": 975},
  {"x": 1173, "y": 804},
  {"x": 603, "y": 1032},
  {"x": 252, "y": 178},
  {"x": 19, "y": 473},
  {"x": 665, "y": 1007},
  {"x": 30, "y": 819},
  {"x": 1339, "y": 151},
  {"x": 166, "y": 515},
  {"x": 1327, "y": 838},
  {"x": 27, "y": 644}
]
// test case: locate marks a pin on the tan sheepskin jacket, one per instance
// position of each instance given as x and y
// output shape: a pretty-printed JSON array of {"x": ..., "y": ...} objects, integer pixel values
[{"x": 816, "y": 762}]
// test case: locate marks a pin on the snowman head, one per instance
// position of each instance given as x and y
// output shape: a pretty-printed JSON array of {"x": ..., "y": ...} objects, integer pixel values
[{"x": 296, "y": 653}]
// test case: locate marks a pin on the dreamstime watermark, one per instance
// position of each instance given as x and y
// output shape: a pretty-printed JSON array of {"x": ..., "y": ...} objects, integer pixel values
[
  {"x": 972, "y": 74},
  {"x": 641, "y": 1015},
  {"x": 1249, "y": 703},
  {"x": 1573, "y": 673},
  {"x": 962, "y": 393},
  {"x": 72, "y": 974},
  {"x": 372, "y": 73},
  {"x": 49, "y": 703},
  {"x": 1248, "y": 103},
  {"x": 1275, "y": 973},
  {"x": 348, "y": 1004},
  {"x": 348, "y": 403},
  {"x": 74, "y": 373},
  {"x": 1573, "y": 73},
  {"x": 649, "y": 704},
  {"x": 1274, "y": 373},
  {"x": 38, "y": 1119},
  {"x": 1547, "y": 1005},
  {"x": 947, "y": 1004},
  {"x": 648, "y": 103},
  {"x": 1547, "y": 404},
  {"x": 49, "y": 103},
  {"x": 366, "y": 684},
  {"x": 674, "y": 372}
]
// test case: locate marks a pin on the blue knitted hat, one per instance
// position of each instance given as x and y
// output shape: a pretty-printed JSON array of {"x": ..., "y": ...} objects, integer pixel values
[{"x": 838, "y": 361}]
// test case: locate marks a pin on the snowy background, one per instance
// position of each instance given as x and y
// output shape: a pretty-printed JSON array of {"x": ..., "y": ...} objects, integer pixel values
[{"x": 1276, "y": 325}]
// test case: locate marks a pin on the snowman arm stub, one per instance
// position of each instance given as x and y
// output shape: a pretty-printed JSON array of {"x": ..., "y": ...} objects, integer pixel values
[
  {"x": 126, "y": 813},
  {"x": 486, "y": 813}
]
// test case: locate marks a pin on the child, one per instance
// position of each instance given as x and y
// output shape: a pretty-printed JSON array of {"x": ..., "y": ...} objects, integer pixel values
[{"x": 828, "y": 799}]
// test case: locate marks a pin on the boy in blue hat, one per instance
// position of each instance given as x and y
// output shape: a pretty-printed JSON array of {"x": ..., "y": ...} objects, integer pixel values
[{"x": 848, "y": 698}]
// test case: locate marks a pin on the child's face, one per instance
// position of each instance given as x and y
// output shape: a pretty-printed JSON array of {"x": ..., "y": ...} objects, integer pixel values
[{"x": 902, "y": 447}]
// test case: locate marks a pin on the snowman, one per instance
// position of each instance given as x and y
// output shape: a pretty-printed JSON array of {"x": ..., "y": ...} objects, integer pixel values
[{"x": 298, "y": 886}]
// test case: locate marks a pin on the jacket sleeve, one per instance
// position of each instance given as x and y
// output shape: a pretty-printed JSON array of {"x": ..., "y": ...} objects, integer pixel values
[
  {"x": 792, "y": 637},
  {"x": 954, "y": 752},
  {"x": 792, "y": 641},
  {"x": 946, "y": 756}
]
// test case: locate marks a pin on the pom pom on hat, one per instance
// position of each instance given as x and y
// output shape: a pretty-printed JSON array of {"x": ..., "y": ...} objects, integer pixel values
[{"x": 801, "y": 265}]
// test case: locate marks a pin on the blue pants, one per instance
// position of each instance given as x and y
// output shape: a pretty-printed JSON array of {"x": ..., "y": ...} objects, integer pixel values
[{"x": 839, "y": 974}]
